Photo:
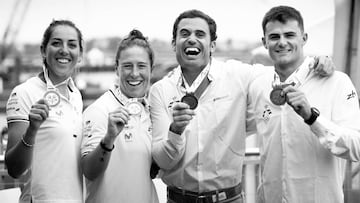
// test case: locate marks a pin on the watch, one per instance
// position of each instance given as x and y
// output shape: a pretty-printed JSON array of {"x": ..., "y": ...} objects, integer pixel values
[{"x": 314, "y": 114}]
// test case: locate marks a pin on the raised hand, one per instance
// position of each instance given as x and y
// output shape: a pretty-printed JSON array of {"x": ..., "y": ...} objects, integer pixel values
[
  {"x": 116, "y": 121},
  {"x": 323, "y": 66},
  {"x": 38, "y": 113},
  {"x": 182, "y": 115},
  {"x": 297, "y": 100}
]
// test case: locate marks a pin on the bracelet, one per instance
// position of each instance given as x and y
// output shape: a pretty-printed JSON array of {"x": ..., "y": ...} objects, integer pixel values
[
  {"x": 103, "y": 146},
  {"x": 25, "y": 143}
]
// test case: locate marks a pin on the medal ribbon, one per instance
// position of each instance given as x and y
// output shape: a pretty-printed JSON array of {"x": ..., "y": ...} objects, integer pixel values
[
  {"x": 123, "y": 100},
  {"x": 276, "y": 83},
  {"x": 199, "y": 79}
]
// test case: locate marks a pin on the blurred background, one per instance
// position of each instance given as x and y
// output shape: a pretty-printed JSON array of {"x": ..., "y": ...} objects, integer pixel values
[{"x": 332, "y": 25}]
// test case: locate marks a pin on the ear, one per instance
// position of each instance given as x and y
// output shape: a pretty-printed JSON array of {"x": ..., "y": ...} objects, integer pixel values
[
  {"x": 305, "y": 38},
  {"x": 80, "y": 57},
  {"x": 212, "y": 46},
  {"x": 173, "y": 44},
  {"x": 264, "y": 42},
  {"x": 117, "y": 70},
  {"x": 42, "y": 51}
]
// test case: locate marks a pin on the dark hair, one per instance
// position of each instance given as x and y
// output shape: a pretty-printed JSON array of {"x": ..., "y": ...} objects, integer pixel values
[
  {"x": 49, "y": 30},
  {"x": 195, "y": 14},
  {"x": 135, "y": 38},
  {"x": 283, "y": 14}
]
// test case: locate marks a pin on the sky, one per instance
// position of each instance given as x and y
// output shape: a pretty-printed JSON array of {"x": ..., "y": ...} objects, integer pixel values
[{"x": 239, "y": 20}]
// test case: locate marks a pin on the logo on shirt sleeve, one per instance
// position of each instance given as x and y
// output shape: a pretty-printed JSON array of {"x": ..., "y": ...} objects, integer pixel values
[
  {"x": 87, "y": 129},
  {"x": 351, "y": 95},
  {"x": 13, "y": 103}
]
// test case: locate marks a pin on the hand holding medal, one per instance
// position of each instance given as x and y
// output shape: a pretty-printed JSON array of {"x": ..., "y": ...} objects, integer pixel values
[
  {"x": 277, "y": 95},
  {"x": 191, "y": 100},
  {"x": 134, "y": 107},
  {"x": 52, "y": 97}
]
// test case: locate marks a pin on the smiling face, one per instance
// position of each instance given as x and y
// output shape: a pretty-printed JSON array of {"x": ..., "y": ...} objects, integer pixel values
[
  {"x": 62, "y": 53},
  {"x": 285, "y": 42},
  {"x": 134, "y": 71},
  {"x": 192, "y": 45}
]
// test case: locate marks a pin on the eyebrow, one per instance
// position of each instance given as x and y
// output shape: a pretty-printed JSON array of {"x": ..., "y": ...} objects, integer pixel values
[{"x": 59, "y": 39}]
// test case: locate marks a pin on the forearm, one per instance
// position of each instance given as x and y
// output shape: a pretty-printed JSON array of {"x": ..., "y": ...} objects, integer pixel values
[
  {"x": 19, "y": 157},
  {"x": 167, "y": 153},
  {"x": 340, "y": 141},
  {"x": 95, "y": 162}
]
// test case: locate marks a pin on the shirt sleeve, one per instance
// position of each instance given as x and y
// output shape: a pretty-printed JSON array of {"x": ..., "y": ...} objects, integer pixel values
[
  {"x": 247, "y": 74},
  {"x": 341, "y": 134},
  {"x": 94, "y": 128},
  {"x": 18, "y": 106},
  {"x": 167, "y": 147}
]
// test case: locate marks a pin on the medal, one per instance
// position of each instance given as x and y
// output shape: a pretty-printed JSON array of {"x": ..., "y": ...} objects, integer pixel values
[
  {"x": 276, "y": 97},
  {"x": 134, "y": 107},
  {"x": 191, "y": 100},
  {"x": 52, "y": 98}
]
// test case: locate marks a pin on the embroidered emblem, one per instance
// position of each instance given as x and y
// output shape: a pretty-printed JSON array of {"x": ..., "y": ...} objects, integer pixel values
[
  {"x": 351, "y": 95},
  {"x": 128, "y": 137},
  {"x": 87, "y": 129},
  {"x": 266, "y": 113}
]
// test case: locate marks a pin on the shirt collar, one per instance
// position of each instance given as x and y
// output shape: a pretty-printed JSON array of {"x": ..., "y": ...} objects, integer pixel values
[{"x": 302, "y": 73}]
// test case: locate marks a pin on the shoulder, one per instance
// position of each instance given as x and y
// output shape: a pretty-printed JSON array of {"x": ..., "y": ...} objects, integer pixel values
[
  {"x": 29, "y": 85},
  {"x": 101, "y": 105}
]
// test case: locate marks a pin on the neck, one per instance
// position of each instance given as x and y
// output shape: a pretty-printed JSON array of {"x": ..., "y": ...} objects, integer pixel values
[
  {"x": 190, "y": 74},
  {"x": 285, "y": 70}
]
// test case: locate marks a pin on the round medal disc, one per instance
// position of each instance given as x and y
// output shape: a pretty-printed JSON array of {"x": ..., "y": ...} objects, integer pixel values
[
  {"x": 52, "y": 98},
  {"x": 134, "y": 108},
  {"x": 191, "y": 100},
  {"x": 276, "y": 97}
]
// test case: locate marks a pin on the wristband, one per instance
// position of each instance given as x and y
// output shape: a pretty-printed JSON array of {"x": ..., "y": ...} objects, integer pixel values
[
  {"x": 103, "y": 146},
  {"x": 25, "y": 143},
  {"x": 314, "y": 114}
]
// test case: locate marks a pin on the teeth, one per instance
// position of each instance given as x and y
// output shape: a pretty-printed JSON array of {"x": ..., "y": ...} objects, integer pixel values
[
  {"x": 63, "y": 60},
  {"x": 192, "y": 51},
  {"x": 134, "y": 83}
]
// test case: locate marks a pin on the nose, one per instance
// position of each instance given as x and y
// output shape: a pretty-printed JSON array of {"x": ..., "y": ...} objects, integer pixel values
[
  {"x": 192, "y": 39},
  {"x": 64, "y": 50},
  {"x": 135, "y": 71},
  {"x": 282, "y": 41}
]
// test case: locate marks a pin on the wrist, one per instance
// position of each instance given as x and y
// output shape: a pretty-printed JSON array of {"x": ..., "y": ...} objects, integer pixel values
[
  {"x": 107, "y": 143},
  {"x": 175, "y": 129},
  {"x": 313, "y": 116},
  {"x": 106, "y": 147}
]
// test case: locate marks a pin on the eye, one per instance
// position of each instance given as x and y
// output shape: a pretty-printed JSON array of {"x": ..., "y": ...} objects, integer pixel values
[
  {"x": 184, "y": 33},
  {"x": 143, "y": 66},
  {"x": 200, "y": 34},
  {"x": 56, "y": 43},
  {"x": 274, "y": 37},
  {"x": 73, "y": 45},
  {"x": 127, "y": 66},
  {"x": 290, "y": 35}
]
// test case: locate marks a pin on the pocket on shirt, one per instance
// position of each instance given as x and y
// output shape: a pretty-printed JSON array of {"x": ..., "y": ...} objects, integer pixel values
[{"x": 223, "y": 107}]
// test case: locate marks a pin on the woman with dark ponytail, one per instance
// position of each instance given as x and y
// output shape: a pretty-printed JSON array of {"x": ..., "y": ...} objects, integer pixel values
[{"x": 116, "y": 145}]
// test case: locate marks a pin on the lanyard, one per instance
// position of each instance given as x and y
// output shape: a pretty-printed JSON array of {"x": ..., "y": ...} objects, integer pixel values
[
  {"x": 133, "y": 105},
  {"x": 52, "y": 95},
  {"x": 198, "y": 80}
]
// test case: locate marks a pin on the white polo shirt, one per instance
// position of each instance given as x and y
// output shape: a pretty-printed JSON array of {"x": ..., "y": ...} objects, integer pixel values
[
  {"x": 209, "y": 154},
  {"x": 54, "y": 175},
  {"x": 127, "y": 176},
  {"x": 302, "y": 163}
]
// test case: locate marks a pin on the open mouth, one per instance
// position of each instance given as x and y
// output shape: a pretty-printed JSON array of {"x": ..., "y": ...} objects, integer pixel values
[
  {"x": 63, "y": 60},
  {"x": 192, "y": 51},
  {"x": 134, "y": 82}
]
